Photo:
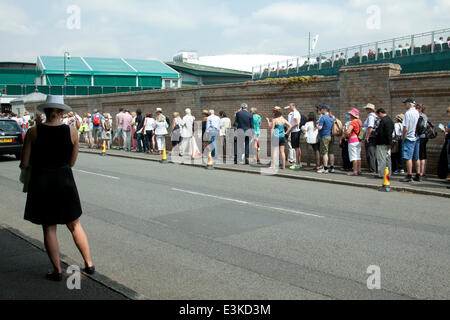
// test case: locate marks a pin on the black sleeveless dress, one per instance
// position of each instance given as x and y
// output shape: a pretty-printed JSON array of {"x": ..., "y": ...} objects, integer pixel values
[{"x": 52, "y": 193}]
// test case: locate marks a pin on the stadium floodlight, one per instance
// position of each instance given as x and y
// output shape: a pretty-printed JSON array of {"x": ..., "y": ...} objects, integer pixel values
[{"x": 66, "y": 56}]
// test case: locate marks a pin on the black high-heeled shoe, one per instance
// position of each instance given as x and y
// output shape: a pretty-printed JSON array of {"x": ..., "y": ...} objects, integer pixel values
[
  {"x": 89, "y": 270},
  {"x": 54, "y": 276}
]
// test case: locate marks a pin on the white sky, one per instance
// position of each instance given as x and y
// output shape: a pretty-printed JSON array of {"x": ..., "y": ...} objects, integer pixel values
[{"x": 159, "y": 29}]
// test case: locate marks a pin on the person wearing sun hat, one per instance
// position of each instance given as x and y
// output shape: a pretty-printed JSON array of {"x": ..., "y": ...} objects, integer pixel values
[
  {"x": 49, "y": 153},
  {"x": 354, "y": 144}
]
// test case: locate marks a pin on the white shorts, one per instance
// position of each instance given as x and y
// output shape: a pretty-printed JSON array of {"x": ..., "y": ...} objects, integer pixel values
[{"x": 354, "y": 151}]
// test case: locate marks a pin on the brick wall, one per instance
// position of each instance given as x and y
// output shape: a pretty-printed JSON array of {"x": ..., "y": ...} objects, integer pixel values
[{"x": 382, "y": 85}]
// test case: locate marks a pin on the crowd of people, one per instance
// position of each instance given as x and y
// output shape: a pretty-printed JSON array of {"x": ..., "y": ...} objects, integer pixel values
[
  {"x": 398, "y": 143},
  {"x": 342, "y": 56}
]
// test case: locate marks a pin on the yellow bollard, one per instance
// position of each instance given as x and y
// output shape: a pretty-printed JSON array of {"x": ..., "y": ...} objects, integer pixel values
[
  {"x": 164, "y": 157},
  {"x": 104, "y": 148},
  {"x": 386, "y": 182},
  {"x": 210, "y": 165}
]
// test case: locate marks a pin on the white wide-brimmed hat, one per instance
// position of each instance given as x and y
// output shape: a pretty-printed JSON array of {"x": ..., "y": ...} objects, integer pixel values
[
  {"x": 370, "y": 106},
  {"x": 54, "y": 102}
]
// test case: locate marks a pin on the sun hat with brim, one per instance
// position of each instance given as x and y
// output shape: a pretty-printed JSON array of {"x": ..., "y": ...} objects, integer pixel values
[
  {"x": 370, "y": 106},
  {"x": 400, "y": 117},
  {"x": 354, "y": 112},
  {"x": 54, "y": 102}
]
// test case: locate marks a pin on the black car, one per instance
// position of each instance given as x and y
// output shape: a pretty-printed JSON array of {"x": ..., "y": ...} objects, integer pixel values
[{"x": 11, "y": 138}]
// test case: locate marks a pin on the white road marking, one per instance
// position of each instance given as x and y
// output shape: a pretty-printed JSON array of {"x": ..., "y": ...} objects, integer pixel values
[
  {"x": 289, "y": 211},
  {"x": 97, "y": 174}
]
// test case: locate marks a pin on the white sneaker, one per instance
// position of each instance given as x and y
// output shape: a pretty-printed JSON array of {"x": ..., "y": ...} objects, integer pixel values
[
  {"x": 323, "y": 171},
  {"x": 332, "y": 170}
]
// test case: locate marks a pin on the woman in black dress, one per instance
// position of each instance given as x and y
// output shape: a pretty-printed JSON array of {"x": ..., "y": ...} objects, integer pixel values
[{"x": 51, "y": 150}]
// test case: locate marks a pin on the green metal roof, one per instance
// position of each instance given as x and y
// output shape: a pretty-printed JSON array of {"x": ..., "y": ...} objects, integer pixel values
[
  {"x": 55, "y": 65},
  {"x": 152, "y": 68},
  {"x": 105, "y": 66},
  {"x": 109, "y": 66},
  {"x": 202, "y": 70}
]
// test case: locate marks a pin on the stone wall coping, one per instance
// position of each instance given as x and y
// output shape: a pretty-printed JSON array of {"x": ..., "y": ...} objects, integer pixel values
[
  {"x": 420, "y": 75},
  {"x": 370, "y": 67},
  {"x": 195, "y": 88}
]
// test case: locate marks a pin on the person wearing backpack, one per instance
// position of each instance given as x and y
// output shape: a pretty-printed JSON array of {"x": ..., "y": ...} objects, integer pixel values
[
  {"x": 355, "y": 139},
  {"x": 422, "y": 127},
  {"x": 310, "y": 133},
  {"x": 384, "y": 142},
  {"x": 397, "y": 161},
  {"x": 325, "y": 126},
  {"x": 411, "y": 143},
  {"x": 97, "y": 127},
  {"x": 370, "y": 125},
  {"x": 106, "y": 132}
]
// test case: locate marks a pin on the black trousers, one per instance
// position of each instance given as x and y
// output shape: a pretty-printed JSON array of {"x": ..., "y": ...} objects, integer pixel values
[
  {"x": 347, "y": 165},
  {"x": 397, "y": 159},
  {"x": 371, "y": 155}
]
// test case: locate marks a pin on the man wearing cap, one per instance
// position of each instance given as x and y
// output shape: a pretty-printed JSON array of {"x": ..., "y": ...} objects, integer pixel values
[
  {"x": 370, "y": 139},
  {"x": 325, "y": 137},
  {"x": 411, "y": 143},
  {"x": 384, "y": 142},
  {"x": 244, "y": 125}
]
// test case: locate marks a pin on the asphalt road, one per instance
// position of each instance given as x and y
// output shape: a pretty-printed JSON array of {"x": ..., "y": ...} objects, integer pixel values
[{"x": 178, "y": 232}]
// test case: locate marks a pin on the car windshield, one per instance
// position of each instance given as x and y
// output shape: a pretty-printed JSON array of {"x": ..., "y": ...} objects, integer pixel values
[{"x": 9, "y": 126}]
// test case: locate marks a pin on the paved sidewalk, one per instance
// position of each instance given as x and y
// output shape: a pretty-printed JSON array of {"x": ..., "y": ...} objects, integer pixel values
[
  {"x": 430, "y": 186},
  {"x": 22, "y": 275}
]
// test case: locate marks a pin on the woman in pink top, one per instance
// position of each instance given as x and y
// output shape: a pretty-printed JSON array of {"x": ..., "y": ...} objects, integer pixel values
[{"x": 354, "y": 144}]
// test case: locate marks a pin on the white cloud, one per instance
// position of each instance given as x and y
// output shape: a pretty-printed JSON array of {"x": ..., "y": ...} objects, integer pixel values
[
  {"x": 170, "y": 14},
  {"x": 14, "y": 20}
]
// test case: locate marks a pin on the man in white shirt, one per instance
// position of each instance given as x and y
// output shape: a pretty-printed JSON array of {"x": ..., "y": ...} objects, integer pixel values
[
  {"x": 119, "y": 130},
  {"x": 187, "y": 131},
  {"x": 411, "y": 143},
  {"x": 213, "y": 125},
  {"x": 294, "y": 118}
]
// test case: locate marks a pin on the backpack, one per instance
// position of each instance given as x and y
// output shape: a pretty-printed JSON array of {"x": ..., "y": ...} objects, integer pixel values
[
  {"x": 96, "y": 121},
  {"x": 303, "y": 120},
  {"x": 338, "y": 128},
  {"x": 362, "y": 131},
  {"x": 107, "y": 125},
  {"x": 421, "y": 126},
  {"x": 430, "y": 132}
]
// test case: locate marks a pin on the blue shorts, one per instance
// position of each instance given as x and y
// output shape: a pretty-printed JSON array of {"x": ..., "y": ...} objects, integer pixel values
[{"x": 410, "y": 149}]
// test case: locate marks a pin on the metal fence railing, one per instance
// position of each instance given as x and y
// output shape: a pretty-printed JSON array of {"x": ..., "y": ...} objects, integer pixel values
[
  {"x": 20, "y": 90},
  {"x": 424, "y": 43}
]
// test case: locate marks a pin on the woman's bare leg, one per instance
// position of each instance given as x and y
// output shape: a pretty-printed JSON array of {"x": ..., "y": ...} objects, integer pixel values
[
  {"x": 52, "y": 246},
  {"x": 81, "y": 241},
  {"x": 283, "y": 157},
  {"x": 275, "y": 158}
]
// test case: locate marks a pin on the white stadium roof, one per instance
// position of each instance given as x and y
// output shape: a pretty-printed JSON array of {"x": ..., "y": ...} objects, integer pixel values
[{"x": 243, "y": 62}]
